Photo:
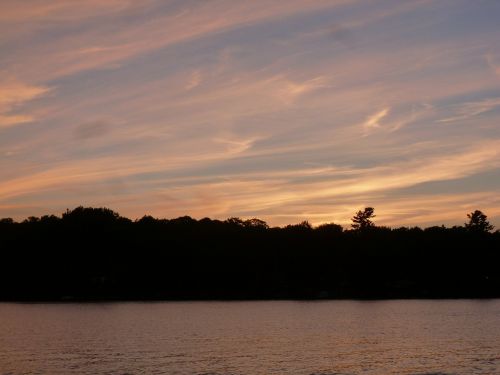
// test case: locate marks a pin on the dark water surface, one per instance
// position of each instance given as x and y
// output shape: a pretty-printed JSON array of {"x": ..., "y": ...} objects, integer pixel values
[{"x": 331, "y": 337}]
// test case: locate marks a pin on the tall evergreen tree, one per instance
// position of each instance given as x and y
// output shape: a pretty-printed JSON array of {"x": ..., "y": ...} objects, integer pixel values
[{"x": 362, "y": 219}]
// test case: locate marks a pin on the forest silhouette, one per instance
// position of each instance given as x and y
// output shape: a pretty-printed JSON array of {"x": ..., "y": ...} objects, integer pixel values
[{"x": 95, "y": 254}]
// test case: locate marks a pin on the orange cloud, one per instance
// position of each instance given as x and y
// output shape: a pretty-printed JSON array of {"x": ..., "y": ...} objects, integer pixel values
[
  {"x": 97, "y": 48},
  {"x": 267, "y": 120},
  {"x": 373, "y": 121},
  {"x": 14, "y": 94}
]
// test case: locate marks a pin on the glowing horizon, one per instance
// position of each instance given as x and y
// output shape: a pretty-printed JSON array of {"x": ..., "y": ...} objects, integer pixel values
[{"x": 285, "y": 110}]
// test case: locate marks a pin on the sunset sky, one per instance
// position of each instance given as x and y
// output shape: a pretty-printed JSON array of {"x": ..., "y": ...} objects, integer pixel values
[{"x": 285, "y": 110}]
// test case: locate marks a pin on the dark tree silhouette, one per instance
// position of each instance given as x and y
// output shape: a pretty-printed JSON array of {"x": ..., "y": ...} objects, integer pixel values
[
  {"x": 330, "y": 228},
  {"x": 89, "y": 214},
  {"x": 362, "y": 219},
  {"x": 478, "y": 222},
  {"x": 302, "y": 226},
  {"x": 96, "y": 254},
  {"x": 256, "y": 223},
  {"x": 236, "y": 221}
]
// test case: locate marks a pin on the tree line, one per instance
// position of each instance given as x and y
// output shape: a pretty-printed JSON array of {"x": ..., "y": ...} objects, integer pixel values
[{"x": 96, "y": 254}]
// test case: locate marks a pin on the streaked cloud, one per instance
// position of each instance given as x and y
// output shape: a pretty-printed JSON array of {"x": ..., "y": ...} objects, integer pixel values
[
  {"x": 288, "y": 112},
  {"x": 13, "y": 94},
  {"x": 373, "y": 121},
  {"x": 165, "y": 26},
  {"x": 471, "y": 109}
]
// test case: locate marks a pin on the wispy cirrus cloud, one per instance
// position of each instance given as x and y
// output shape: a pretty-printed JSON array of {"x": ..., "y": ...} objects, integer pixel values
[
  {"x": 13, "y": 94},
  {"x": 60, "y": 10},
  {"x": 471, "y": 109},
  {"x": 263, "y": 193},
  {"x": 114, "y": 38},
  {"x": 221, "y": 108},
  {"x": 373, "y": 121}
]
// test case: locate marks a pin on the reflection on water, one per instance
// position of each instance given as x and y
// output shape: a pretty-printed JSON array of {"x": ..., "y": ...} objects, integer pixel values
[{"x": 331, "y": 337}]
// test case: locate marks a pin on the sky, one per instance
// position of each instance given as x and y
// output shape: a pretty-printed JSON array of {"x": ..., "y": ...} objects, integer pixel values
[{"x": 285, "y": 110}]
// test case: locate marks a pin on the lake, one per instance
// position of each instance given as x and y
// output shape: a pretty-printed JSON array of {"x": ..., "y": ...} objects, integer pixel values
[{"x": 274, "y": 337}]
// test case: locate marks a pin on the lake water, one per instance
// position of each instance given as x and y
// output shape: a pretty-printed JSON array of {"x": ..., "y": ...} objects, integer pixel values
[{"x": 330, "y": 337}]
